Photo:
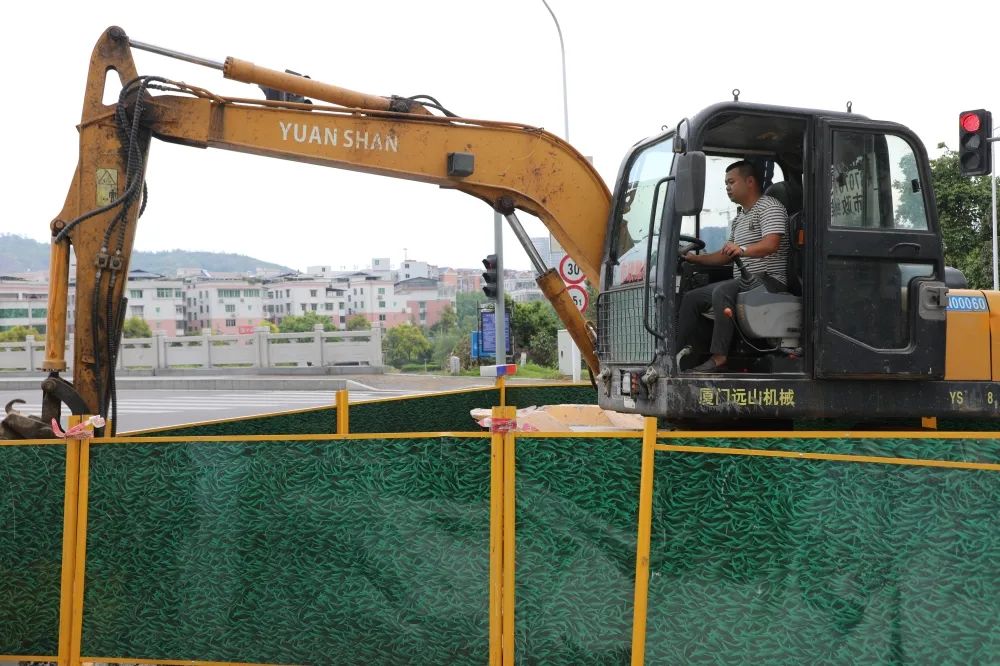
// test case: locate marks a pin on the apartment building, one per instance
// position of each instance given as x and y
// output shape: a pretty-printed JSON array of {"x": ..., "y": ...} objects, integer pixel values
[
  {"x": 468, "y": 280},
  {"x": 231, "y": 303},
  {"x": 410, "y": 269},
  {"x": 223, "y": 305},
  {"x": 522, "y": 287},
  {"x": 159, "y": 301},
  {"x": 23, "y": 302},
  {"x": 299, "y": 294},
  {"x": 373, "y": 296},
  {"x": 423, "y": 299}
]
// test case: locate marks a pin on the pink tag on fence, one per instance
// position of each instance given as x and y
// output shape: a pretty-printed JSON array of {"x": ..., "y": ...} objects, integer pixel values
[
  {"x": 82, "y": 430},
  {"x": 503, "y": 425}
]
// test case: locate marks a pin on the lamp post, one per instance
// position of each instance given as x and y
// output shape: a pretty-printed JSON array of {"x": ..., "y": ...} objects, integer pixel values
[
  {"x": 574, "y": 350},
  {"x": 562, "y": 50}
]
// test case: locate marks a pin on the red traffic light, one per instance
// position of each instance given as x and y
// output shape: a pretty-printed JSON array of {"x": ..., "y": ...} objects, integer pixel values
[{"x": 970, "y": 122}]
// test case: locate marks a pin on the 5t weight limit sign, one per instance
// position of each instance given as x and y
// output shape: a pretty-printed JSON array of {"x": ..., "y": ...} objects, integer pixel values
[{"x": 579, "y": 296}]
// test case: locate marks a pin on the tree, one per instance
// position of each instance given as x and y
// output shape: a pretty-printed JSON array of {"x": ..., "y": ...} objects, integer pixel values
[
  {"x": 406, "y": 344},
  {"x": 963, "y": 206},
  {"x": 542, "y": 348},
  {"x": 358, "y": 323},
  {"x": 136, "y": 327},
  {"x": 591, "y": 313},
  {"x": 533, "y": 327},
  {"x": 448, "y": 321},
  {"x": 19, "y": 334},
  {"x": 271, "y": 328},
  {"x": 304, "y": 323},
  {"x": 444, "y": 346}
]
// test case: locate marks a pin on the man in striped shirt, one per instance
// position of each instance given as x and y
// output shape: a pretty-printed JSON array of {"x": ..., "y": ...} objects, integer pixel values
[{"x": 759, "y": 236}]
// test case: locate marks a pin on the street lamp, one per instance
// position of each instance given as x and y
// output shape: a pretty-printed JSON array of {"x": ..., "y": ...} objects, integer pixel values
[
  {"x": 562, "y": 50},
  {"x": 574, "y": 350}
]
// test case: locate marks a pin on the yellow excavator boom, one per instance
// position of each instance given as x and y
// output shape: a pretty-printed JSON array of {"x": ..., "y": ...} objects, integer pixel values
[{"x": 508, "y": 165}]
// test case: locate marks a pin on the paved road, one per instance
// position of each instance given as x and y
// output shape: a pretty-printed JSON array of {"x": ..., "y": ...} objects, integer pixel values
[
  {"x": 155, "y": 402},
  {"x": 139, "y": 409}
]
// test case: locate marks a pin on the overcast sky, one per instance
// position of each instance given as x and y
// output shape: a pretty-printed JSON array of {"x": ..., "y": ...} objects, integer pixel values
[{"x": 633, "y": 66}]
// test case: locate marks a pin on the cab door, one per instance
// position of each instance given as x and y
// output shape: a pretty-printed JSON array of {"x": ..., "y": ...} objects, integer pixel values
[{"x": 879, "y": 296}]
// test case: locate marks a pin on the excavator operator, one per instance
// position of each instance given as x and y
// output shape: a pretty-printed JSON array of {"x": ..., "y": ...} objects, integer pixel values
[{"x": 759, "y": 238}]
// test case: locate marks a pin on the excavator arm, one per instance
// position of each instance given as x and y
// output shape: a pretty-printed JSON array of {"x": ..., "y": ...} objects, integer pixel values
[{"x": 509, "y": 166}]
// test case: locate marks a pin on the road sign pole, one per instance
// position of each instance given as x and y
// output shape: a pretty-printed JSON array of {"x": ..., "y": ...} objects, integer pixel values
[
  {"x": 499, "y": 313},
  {"x": 574, "y": 356}
]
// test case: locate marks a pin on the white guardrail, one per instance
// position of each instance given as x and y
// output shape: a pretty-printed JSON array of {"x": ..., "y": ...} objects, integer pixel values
[{"x": 260, "y": 349}]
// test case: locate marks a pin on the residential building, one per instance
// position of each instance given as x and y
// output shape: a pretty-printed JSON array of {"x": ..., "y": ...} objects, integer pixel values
[
  {"x": 157, "y": 300},
  {"x": 223, "y": 306},
  {"x": 522, "y": 287},
  {"x": 299, "y": 294},
  {"x": 23, "y": 302},
  {"x": 374, "y": 297},
  {"x": 469, "y": 279},
  {"x": 415, "y": 269},
  {"x": 423, "y": 300}
]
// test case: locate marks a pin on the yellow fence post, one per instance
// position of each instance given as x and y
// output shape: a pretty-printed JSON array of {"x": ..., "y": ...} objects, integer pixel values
[
  {"x": 509, "y": 441},
  {"x": 343, "y": 413},
  {"x": 502, "y": 386},
  {"x": 642, "y": 545},
  {"x": 498, "y": 442},
  {"x": 80, "y": 555},
  {"x": 70, "y": 502}
]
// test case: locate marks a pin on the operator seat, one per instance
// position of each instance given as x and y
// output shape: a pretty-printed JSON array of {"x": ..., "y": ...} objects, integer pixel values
[
  {"x": 776, "y": 316},
  {"x": 789, "y": 193}
]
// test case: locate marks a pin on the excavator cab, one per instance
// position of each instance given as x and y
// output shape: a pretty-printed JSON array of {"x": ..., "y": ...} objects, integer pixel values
[{"x": 864, "y": 298}]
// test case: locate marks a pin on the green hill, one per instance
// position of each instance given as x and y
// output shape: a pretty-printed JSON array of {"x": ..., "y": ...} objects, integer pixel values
[{"x": 19, "y": 254}]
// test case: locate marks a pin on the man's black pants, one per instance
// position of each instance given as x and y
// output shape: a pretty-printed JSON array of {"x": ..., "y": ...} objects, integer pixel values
[{"x": 718, "y": 296}]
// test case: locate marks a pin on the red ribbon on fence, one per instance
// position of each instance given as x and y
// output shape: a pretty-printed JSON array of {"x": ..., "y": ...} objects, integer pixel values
[
  {"x": 503, "y": 425},
  {"x": 82, "y": 430}
]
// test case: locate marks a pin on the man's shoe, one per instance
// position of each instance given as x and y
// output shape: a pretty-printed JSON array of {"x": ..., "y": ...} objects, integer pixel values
[{"x": 708, "y": 366}]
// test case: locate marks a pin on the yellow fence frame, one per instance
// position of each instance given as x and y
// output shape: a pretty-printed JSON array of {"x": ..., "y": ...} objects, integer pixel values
[
  {"x": 650, "y": 445},
  {"x": 502, "y": 503}
]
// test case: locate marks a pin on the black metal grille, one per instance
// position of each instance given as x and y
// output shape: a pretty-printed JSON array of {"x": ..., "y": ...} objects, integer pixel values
[{"x": 621, "y": 337}]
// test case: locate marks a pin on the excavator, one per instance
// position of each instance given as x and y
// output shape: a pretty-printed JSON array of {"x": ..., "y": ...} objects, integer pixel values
[{"x": 871, "y": 323}]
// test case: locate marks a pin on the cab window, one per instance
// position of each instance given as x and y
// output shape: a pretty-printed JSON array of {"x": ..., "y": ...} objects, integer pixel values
[
  {"x": 875, "y": 183},
  {"x": 713, "y": 223},
  {"x": 635, "y": 209}
]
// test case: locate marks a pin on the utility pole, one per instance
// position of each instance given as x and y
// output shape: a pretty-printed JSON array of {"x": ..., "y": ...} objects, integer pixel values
[
  {"x": 499, "y": 313},
  {"x": 574, "y": 353}
]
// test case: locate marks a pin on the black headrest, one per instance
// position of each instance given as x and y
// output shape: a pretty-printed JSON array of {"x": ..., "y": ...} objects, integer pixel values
[{"x": 789, "y": 193}]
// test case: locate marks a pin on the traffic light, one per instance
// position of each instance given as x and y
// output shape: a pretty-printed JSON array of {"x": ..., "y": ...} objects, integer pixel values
[
  {"x": 490, "y": 277},
  {"x": 975, "y": 154}
]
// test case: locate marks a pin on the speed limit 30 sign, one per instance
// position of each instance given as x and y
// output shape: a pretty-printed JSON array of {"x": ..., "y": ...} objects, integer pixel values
[{"x": 570, "y": 271}]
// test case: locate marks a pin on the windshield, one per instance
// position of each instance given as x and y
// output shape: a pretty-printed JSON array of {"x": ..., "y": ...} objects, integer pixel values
[
  {"x": 649, "y": 167},
  {"x": 718, "y": 212}
]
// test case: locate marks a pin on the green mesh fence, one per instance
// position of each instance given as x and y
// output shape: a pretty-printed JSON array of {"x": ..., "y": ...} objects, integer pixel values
[
  {"x": 32, "y": 486},
  {"x": 448, "y": 412},
  {"x": 763, "y": 560},
  {"x": 320, "y": 552},
  {"x": 322, "y": 420},
  {"x": 966, "y": 449},
  {"x": 376, "y": 551},
  {"x": 526, "y": 396},
  {"x": 576, "y": 519}
]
